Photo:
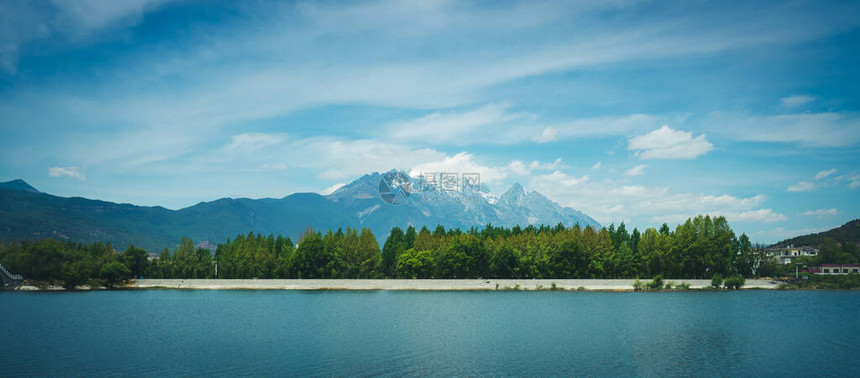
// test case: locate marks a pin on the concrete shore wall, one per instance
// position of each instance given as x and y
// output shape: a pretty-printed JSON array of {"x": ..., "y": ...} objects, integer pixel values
[{"x": 467, "y": 284}]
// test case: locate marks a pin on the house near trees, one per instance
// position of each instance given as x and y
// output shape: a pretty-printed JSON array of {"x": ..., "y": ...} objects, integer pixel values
[
  {"x": 785, "y": 255},
  {"x": 833, "y": 269}
]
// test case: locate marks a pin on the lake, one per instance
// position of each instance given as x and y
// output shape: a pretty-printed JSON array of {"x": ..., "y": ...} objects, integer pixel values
[{"x": 171, "y": 332}]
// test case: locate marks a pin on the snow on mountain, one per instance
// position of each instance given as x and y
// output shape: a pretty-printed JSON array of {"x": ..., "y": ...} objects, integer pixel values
[{"x": 463, "y": 208}]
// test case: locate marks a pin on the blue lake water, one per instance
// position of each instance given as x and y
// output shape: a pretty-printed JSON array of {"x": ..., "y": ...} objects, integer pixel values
[{"x": 429, "y": 333}]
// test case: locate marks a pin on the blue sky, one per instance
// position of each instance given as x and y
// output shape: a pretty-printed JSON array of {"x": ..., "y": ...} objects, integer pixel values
[{"x": 643, "y": 112}]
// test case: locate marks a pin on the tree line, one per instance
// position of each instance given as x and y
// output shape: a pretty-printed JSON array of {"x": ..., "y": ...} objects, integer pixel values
[{"x": 698, "y": 248}]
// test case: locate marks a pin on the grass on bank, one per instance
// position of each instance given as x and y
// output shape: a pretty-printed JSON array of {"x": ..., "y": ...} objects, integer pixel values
[
  {"x": 822, "y": 282},
  {"x": 657, "y": 284}
]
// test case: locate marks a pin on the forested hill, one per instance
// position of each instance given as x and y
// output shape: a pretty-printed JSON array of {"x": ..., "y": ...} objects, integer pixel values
[
  {"x": 28, "y": 215},
  {"x": 846, "y": 233}
]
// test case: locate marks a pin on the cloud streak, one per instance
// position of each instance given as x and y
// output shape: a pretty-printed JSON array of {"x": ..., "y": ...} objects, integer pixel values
[
  {"x": 821, "y": 212},
  {"x": 802, "y": 186},
  {"x": 795, "y": 101},
  {"x": 73, "y": 172},
  {"x": 635, "y": 171}
]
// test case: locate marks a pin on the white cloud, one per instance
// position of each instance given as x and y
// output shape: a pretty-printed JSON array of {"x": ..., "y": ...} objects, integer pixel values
[
  {"x": 802, "y": 186},
  {"x": 461, "y": 163},
  {"x": 536, "y": 165},
  {"x": 458, "y": 128},
  {"x": 73, "y": 172},
  {"x": 852, "y": 178},
  {"x": 759, "y": 215},
  {"x": 824, "y": 174},
  {"x": 606, "y": 126},
  {"x": 821, "y": 212},
  {"x": 332, "y": 189},
  {"x": 560, "y": 179},
  {"x": 547, "y": 135},
  {"x": 497, "y": 124},
  {"x": 337, "y": 159},
  {"x": 794, "y": 101},
  {"x": 635, "y": 171},
  {"x": 811, "y": 129},
  {"x": 596, "y": 166},
  {"x": 666, "y": 143},
  {"x": 610, "y": 201},
  {"x": 520, "y": 168},
  {"x": 76, "y": 22},
  {"x": 345, "y": 159},
  {"x": 249, "y": 142},
  {"x": 276, "y": 166}
]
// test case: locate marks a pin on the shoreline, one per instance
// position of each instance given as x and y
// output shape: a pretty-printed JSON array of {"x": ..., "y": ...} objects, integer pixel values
[{"x": 419, "y": 284}]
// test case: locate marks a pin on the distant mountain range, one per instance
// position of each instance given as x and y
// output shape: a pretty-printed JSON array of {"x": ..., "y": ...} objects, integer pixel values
[{"x": 26, "y": 213}]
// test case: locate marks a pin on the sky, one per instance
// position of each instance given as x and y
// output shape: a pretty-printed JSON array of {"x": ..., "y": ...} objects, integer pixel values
[{"x": 641, "y": 112}]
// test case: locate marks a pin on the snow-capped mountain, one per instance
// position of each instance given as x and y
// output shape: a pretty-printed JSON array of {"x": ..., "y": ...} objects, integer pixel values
[{"x": 463, "y": 208}]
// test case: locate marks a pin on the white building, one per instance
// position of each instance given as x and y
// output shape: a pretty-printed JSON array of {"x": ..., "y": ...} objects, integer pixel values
[
  {"x": 784, "y": 255},
  {"x": 840, "y": 269}
]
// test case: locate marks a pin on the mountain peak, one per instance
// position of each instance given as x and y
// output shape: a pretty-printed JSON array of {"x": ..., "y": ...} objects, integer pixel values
[
  {"x": 515, "y": 192},
  {"x": 19, "y": 185}
]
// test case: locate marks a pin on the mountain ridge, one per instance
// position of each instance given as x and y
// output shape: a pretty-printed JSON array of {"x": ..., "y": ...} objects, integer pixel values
[
  {"x": 18, "y": 184},
  {"x": 26, "y": 213},
  {"x": 846, "y": 233}
]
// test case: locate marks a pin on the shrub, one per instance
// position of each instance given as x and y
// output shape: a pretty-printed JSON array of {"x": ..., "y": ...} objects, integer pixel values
[
  {"x": 851, "y": 281},
  {"x": 716, "y": 281},
  {"x": 670, "y": 285},
  {"x": 735, "y": 282},
  {"x": 848, "y": 281},
  {"x": 684, "y": 286},
  {"x": 553, "y": 287},
  {"x": 656, "y": 283},
  {"x": 637, "y": 285}
]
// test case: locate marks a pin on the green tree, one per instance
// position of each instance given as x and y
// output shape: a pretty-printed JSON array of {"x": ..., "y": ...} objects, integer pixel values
[
  {"x": 165, "y": 263},
  {"x": 394, "y": 246},
  {"x": 311, "y": 259},
  {"x": 136, "y": 260},
  {"x": 368, "y": 253},
  {"x": 114, "y": 273},
  {"x": 409, "y": 237},
  {"x": 183, "y": 259},
  {"x": 415, "y": 264},
  {"x": 505, "y": 262},
  {"x": 567, "y": 259},
  {"x": 283, "y": 252},
  {"x": 453, "y": 262},
  {"x": 75, "y": 274}
]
